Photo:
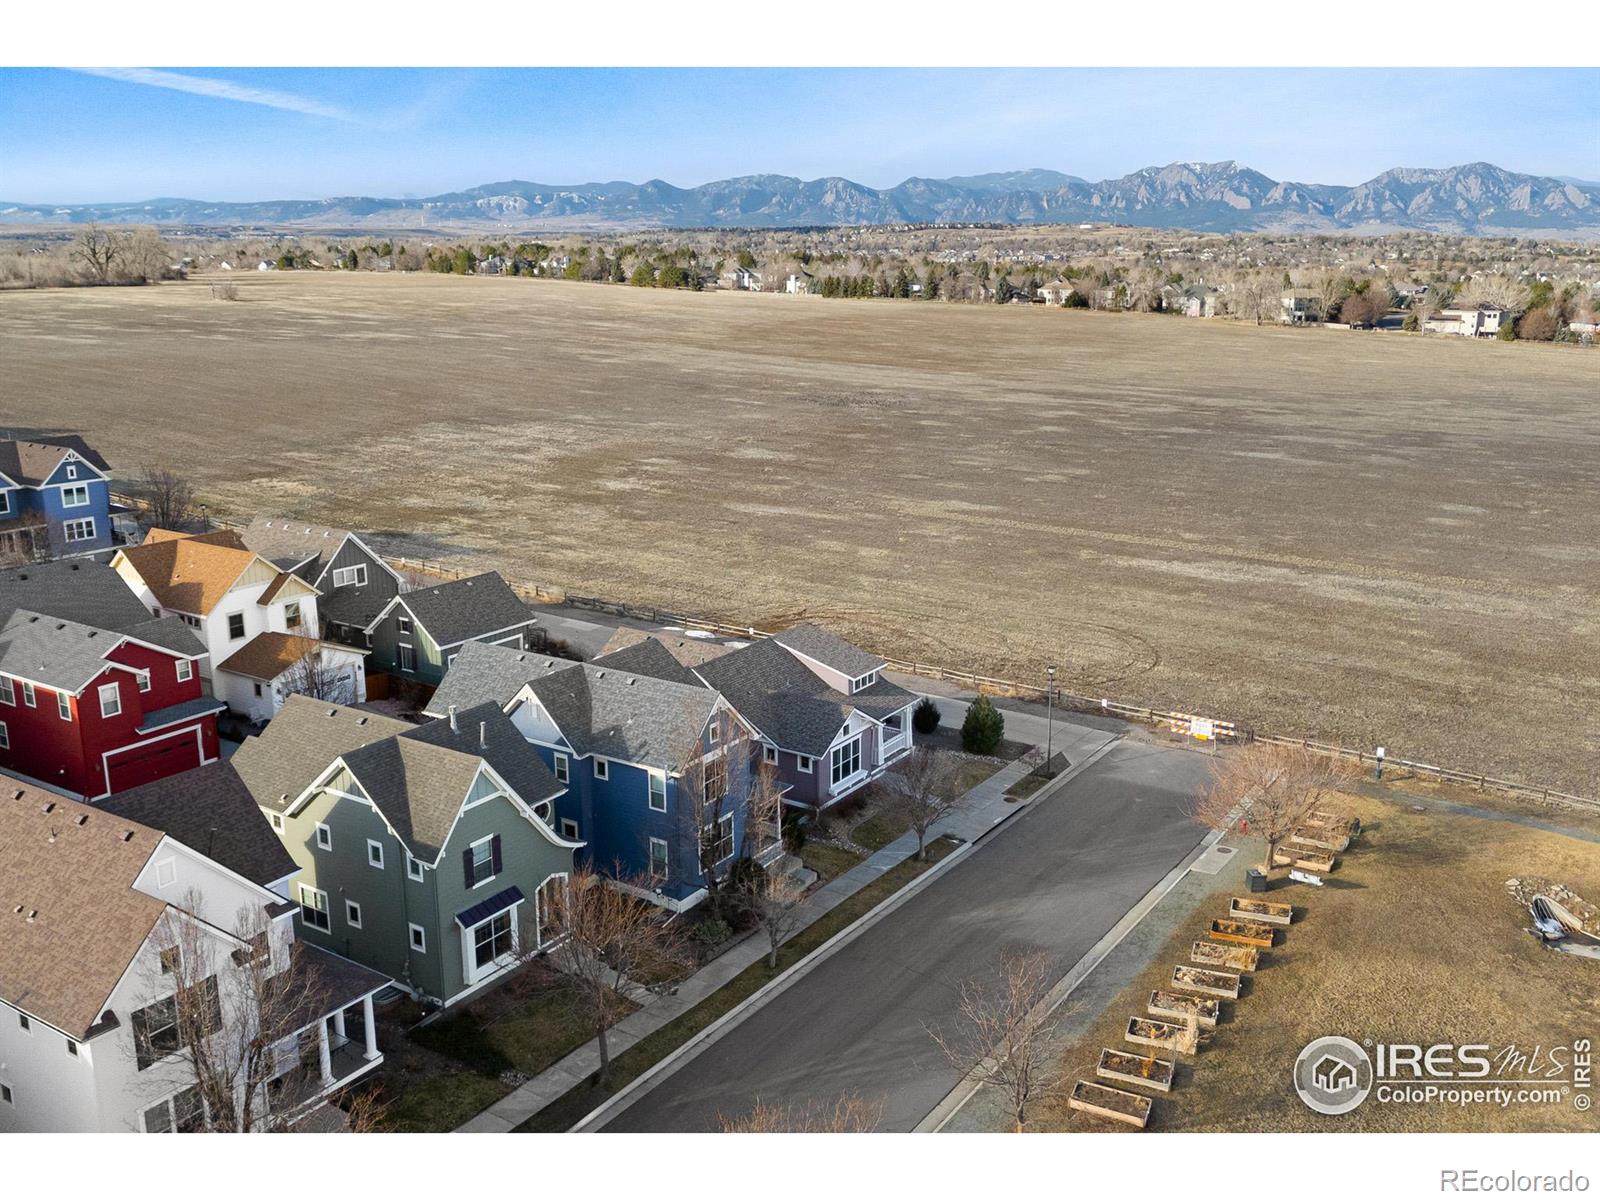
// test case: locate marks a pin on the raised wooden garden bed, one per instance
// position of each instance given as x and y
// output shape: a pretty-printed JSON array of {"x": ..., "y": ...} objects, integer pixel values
[
  {"x": 1163, "y": 1035},
  {"x": 1248, "y": 908},
  {"x": 1211, "y": 983},
  {"x": 1307, "y": 858},
  {"x": 1243, "y": 933},
  {"x": 1333, "y": 840},
  {"x": 1215, "y": 954},
  {"x": 1175, "y": 1006},
  {"x": 1113, "y": 1104},
  {"x": 1122, "y": 1067}
]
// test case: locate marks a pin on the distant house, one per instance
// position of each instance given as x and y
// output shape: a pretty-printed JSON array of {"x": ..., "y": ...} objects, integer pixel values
[
  {"x": 96, "y": 695},
  {"x": 354, "y": 581},
  {"x": 55, "y": 499},
  {"x": 1300, "y": 307},
  {"x": 1055, "y": 293},
  {"x": 259, "y": 622},
  {"x": 109, "y": 905},
  {"x": 1482, "y": 320},
  {"x": 1200, "y": 301},
  {"x": 426, "y": 853},
  {"x": 495, "y": 264},
  {"x": 417, "y": 634},
  {"x": 798, "y": 285},
  {"x": 743, "y": 279}
]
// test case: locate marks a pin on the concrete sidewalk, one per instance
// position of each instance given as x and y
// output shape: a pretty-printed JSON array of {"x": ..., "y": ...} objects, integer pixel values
[{"x": 986, "y": 807}]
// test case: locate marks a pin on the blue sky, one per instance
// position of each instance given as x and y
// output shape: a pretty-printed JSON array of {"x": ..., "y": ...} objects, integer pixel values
[{"x": 74, "y": 137}]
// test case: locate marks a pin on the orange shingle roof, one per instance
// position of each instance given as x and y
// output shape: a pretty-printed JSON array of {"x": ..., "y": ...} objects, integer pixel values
[
  {"x": 268, "y": 655},
  {"x": 190, "y": 574}
]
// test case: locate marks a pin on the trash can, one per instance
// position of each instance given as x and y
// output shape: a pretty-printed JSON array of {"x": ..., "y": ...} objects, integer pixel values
[{"x": 1255, "y": 880}]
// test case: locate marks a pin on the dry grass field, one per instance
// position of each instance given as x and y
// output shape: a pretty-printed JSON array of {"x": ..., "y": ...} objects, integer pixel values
[
  {"x": 1414, "y": 939},
  {"x": 1360, "y": 537}
]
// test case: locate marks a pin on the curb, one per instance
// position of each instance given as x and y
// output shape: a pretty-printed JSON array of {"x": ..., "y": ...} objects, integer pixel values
[
  {"x": 945, "y": 1111},
  {"x": 625, "y": 1098}
]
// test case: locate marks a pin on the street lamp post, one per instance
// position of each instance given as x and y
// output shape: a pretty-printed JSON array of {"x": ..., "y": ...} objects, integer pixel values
[{"x": 1050, "y": 718}]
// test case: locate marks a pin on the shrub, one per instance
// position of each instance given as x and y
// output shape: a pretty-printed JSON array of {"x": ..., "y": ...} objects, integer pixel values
[
  {"x": 794, "y": 833},
  {"x": 984, "y": 727},
  {"x": 712, "y": 933},
  {"x": 925, "y": 717}
]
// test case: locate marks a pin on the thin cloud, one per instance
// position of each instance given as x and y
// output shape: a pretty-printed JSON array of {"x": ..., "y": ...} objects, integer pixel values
[{"x": 222, "y": 89}]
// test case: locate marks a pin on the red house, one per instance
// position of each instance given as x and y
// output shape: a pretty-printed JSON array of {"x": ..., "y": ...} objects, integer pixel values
[{"x": 95, "y": 706}]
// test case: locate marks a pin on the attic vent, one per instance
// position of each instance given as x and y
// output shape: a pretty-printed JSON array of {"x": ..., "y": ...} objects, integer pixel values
[
  {"x": 333, "y": 712},
  {"x": 599, "y": 674},
  {"x": 284, "y": 797},
  {"x": 32, "y": 913},
  {"x": 127, "y": 835},
  {"x": 632, "y": 681},
  {"x": 48, "y": 808},
  {"x": 361, "y": 720},
  {"x": 82, "y": 819}
]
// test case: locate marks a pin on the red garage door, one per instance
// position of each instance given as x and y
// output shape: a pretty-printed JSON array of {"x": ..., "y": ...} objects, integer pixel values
[{"x": 132, "y": 767}]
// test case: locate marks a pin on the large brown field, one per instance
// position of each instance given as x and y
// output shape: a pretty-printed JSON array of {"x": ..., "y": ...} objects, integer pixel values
[{"x": 1364, "y": 537}]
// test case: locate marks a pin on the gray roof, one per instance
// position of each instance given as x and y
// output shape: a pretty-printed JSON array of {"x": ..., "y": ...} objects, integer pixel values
[
  {"x": 181, "y": 711},
  {"x": 484, "y": 672},
  {"x": 466, "y": 608},
  {"x": 210, "y": 811},
  {"x": 94, "y": 595},
  {"x": 629, "y": 717},
  {"x": 58, "y": 654},
  {"x": 417, "y": 775},
  {"x": 787, "y": 702},
  {"x": 294, "y": 545},
  {"x": 354, "y": 606},
  {"x": 650, "y": 657},
  {"x": 829, "y": 649}
]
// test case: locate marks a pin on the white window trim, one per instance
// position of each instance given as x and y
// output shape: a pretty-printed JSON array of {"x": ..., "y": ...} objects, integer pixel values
[
  {"x": 805, "y": 764},
  {"x": 355, "y": 576},
  {"x": 306, "y": 891},
  {"x": 563, "y": 770},
  {"x": 413, "y": 869},
  {"x": 602, "y": 768},
  {"x": 470, "y": 970},
  {"x": 116, "y": 700},
  {"x": 76, "y": 488},
  {"x": 8, "y": 690},
  {"x": 227, "y": 623},
  {"x": 569, "y": 829},
  {"x": 769, "y": 754},
  {"x": 732, "y": 841},
  {"x": 373, "y": 844},
  {"x": 185, "y": 670},
  {"x": 666, "y": 856},
  {"x": 493, "y": 874},
  {"x": 29, "y": 696},
  {"x": 655, "y": 777},
  {"x": 81, "y": 529},
  {"x": 324, "y": 832},
  {"x": 5, "y": 737},
  {"x": 402, "y": 651},
  {"x": 166, "y": 873},
  {"x": 64, "y": 705},
  {"x": 418, "y": 938},
  {"x": 142, "y": 678},
  {"x": 352, "y": 907}
]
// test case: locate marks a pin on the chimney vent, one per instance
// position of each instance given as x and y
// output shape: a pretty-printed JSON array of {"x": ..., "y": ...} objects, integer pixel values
[
  {"x": 483, "y": 735},
  {"x": 454, "y": 728}
]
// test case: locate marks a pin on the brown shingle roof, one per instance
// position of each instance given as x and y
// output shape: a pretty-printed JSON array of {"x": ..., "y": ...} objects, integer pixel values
[
  {"x": 70, "y": 920},
  {"x": 268, "y": 655},
  {"x": 190, "y": 574},
  {"x": 690, "y": 652},
  {"x": 32, "y": 462}
]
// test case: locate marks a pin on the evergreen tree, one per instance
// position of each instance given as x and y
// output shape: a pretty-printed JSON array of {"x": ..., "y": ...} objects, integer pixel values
[{"x": 983, "y": 728}]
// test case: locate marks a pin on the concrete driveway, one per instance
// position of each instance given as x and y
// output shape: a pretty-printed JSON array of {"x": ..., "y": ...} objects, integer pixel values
[{"x": 1055, "y": 877}]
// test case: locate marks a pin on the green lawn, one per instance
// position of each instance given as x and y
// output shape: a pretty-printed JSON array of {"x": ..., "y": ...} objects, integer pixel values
[
  {"x": 626, "y": 1067},
  {"x": 828, "y": 861},
  {"x": 1025, "y": 787},
  {"x": 437, "y": 1102},
  {"x": 878, "y": 830}
]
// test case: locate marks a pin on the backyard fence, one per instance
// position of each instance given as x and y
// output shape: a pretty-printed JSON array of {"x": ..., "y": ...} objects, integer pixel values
[{"x": 1178, "y": 721}]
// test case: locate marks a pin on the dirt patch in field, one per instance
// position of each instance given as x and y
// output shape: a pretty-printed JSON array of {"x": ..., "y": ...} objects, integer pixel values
[{"x": 1390, "y": 540}]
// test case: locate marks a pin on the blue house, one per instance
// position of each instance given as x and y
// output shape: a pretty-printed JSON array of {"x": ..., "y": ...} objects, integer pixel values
[
  {"x": 660, "y": 773},
  {"x": 55, "y": 499}
]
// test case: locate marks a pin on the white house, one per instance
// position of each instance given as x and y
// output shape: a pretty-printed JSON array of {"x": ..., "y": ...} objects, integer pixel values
[
  {"x": 1055, "y": 293},
  {"x": 1482, "y": 320},
  {"x": 106, "y": 919},
  {"x": 797, "y": 285},
  {"x": 259, "y": 623},
  {"x": 743, "y": 279}
]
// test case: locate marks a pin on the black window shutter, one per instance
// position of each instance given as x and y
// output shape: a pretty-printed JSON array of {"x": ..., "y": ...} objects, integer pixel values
[
  {"x": 466, "y": 865},
  {"x": 494, "y": 853}
]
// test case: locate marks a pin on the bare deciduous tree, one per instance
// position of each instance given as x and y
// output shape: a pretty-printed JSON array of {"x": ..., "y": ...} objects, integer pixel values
[
  {"x": 717, "y": 782},
  {"x": 848, "y": 1114},
  {"x": 100, "y": 250},
  {"x": 604, "y": 939},
  {"x": 923, "y": 793},
  {"x": 315, "y": 675},
  {"x": 774, "y": 901},
  {"x": 168, "y": 497},
  {"x": 1272, "y": 789},
  {"x": 1002, "y": 1034}
]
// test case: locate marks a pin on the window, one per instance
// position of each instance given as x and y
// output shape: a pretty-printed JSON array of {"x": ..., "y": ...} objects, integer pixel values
[
  {"x": 492, "y": 941},
  {"x": 769, "y": 754},
  {"x": 5, "y": 1094},
  {"x": 374, "y": 854},
  {"x": 22, "y": 1020},
  {"x": 28, "y": 697},
  {"x": 235, "y": 626},
  {"x": 402, "y": 624},
  {"x": 258, "y": 689},
  {"x": 169, "y": 960},
  {"x": 110, "y": 700},
  {"x": 481, "y": 861},
  {"x": 720, "y": 837},
  {"x": 862, "y": 684},
  {"x": 64, "y": 706},
  {"x": 547, "y": 907},
  {"x": 8, "y": 690},
  {"x": 5, "y": 737},
  {"x": 184, "y": 1112},
  {"x": 156, "y": 1031},
  {"x": 314, "y": 908},
  {"x": 185, "y": 670},
  {"x": 846, "y": 759},
  {"x": 716, "y": 779},
  {"x": 408, "y": 658},
  {"x": 569, "y": 829},
  {"x": 658, "y": 791},
  {"x": 350, "y": 576},
  {"x": 72, "y": 1048},
  {"x": 142, "y": 678},
  {"x": 291, "y": 614},
  {"x": 602, "y": 769},
  {"x": 277, "y": 822},
  {"x": 562, "y": 773},
  {"x": 413, "y": 869},
  {"x": 75, "y": 496},
  {"x": 324, "y": 837},
  {"x": 352, "y": 914},
  {"x": 658, "y": 858},
  {"x": 714, "y": 733},
  {"x": 803, "y": 761},
  {"x": 166, "y": 873},
  {"x": 72, "y": 472},
  {"x": 419, "y": 939},
  {"x": 5, "y": 502},
  {"x": 81, "y": 530}
]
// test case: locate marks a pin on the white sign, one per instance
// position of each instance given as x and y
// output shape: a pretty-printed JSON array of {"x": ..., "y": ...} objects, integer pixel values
[
  {"x": 1306, "y": 877},
  {"x": 1202, "y": 729}
]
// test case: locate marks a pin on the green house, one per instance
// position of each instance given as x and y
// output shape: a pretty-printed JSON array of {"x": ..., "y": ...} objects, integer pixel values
[{"x": 425, "y": 851}]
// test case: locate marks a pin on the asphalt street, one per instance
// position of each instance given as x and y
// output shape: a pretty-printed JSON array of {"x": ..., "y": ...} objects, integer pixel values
[{"x": 1056, "y": 877}]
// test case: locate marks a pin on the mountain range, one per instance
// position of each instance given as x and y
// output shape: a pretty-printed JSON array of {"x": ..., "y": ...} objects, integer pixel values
[{"x": 1224, "y": 197}]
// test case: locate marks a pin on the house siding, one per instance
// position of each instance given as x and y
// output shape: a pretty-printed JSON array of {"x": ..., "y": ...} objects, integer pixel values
[{"x": 46, "y": 501}]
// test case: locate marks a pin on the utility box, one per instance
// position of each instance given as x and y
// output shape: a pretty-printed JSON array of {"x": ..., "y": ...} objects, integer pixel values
[{"x": 1255, "y": 880}]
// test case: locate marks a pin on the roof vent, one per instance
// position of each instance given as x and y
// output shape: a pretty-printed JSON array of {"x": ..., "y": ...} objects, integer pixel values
[
  {"x": 361, "y": 720},
  {"x": 454, "y": 728},
  {"x": 127, "y": 835},
  {"x": 333, "y": 712},
  {"x": 49, "y": 808},
  {"x": 483, "y": 735},
  {"x": 83, "y": 819}
]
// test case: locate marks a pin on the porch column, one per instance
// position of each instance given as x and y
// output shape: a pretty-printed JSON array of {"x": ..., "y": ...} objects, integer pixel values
[
  {"x": 338, "y": 1025},
  {"x": 369, "y": 1027},
  {"x": 324, "y": 1055}
]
